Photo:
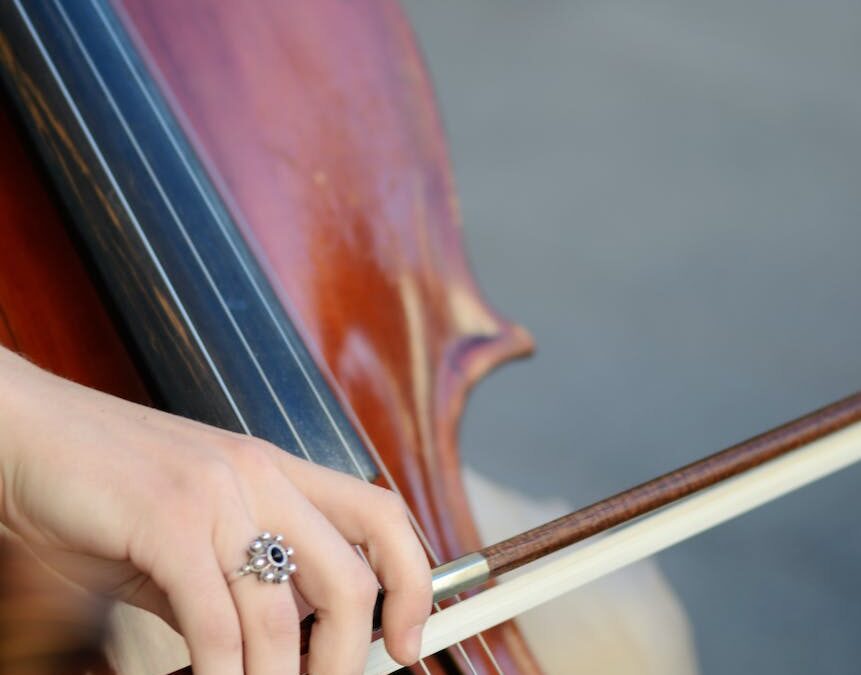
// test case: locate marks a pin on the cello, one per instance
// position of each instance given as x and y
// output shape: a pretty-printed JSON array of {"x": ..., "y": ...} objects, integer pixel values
[{"x": 264, "y": 236}]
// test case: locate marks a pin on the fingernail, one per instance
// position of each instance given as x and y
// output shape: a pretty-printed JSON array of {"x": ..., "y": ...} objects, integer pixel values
[{"x": 414, "y": 641}]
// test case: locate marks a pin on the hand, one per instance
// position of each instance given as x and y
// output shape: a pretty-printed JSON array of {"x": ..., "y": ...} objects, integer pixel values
[{"x": 155, "y": 510}]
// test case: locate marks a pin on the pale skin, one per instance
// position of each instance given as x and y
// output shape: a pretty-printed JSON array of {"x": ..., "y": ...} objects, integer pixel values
[{"x": 156, "y": 510}]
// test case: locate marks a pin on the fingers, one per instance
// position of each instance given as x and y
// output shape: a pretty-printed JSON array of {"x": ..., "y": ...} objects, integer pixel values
[
  {"x": 267, "y": 612},
  {"x": 270, "y": 626},
  {"x": 377, "y": 518},
  {"x": 330, "y": 575},
  {"x": 204, "y": 610},
  {"x": 344, "y": 595},
  {"x": 238, "y": 627},
  {"x": 151, "y": 598}
]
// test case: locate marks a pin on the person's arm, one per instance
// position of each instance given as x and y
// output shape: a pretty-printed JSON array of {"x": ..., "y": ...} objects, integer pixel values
[{"x": 157, "y": 510}]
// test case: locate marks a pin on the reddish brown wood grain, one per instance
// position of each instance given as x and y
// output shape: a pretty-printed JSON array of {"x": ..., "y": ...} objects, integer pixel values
[
  {"x": 670, "y": 487},
  {"x": 50, "y": 310},
  {"x": 319, "y": 125}
]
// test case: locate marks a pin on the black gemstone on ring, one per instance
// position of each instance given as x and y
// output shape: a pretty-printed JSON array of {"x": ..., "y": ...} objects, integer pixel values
[{"x": 277, "y": 555}]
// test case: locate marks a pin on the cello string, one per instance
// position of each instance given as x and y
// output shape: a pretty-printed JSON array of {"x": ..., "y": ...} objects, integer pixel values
[
  {"x": 224, "y": 227},
  {"x": 239, "y": 257},
  {"x": 183, "y": 231},
  {"x": 144, "y": 240}
]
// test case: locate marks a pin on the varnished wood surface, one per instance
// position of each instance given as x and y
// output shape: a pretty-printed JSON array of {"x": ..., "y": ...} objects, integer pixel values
[
  {"x": 50, "y": 309},
  {"x": 318, "y": 124},
  {"x": 670, "y": 487}
]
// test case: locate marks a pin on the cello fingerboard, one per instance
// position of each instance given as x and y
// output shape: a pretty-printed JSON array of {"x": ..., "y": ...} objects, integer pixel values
[{"x": 200, "y": 313}]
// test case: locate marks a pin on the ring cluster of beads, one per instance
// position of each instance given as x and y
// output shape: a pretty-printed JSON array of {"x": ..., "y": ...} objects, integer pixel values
[{"x": 269, "y": 559}]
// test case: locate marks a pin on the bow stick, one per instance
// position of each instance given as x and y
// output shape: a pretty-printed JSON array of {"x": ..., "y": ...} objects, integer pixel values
[
  {"x": 476, "y": 568},
  {"x": 695, "y": 498},
  {"x": 759, "y": 452}
]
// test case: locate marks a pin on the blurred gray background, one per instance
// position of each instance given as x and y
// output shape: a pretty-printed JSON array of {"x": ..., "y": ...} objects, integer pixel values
[{"x": 667, "y": 195}]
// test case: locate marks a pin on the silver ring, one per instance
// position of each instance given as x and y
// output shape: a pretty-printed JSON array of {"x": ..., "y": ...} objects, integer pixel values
[{"x": 269, "y": 559}]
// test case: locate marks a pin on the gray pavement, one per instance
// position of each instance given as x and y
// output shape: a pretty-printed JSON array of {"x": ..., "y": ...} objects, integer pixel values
[{"x": 667, "y": 195}]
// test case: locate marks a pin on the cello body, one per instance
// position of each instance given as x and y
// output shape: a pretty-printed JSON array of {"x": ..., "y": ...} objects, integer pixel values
[{"x": 316, "y": 125}]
